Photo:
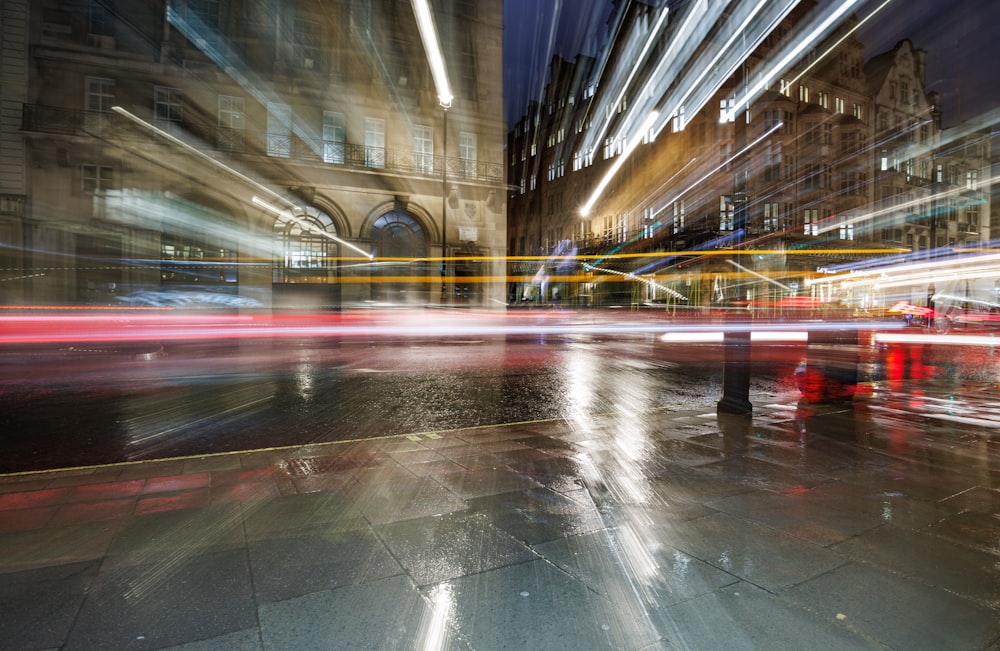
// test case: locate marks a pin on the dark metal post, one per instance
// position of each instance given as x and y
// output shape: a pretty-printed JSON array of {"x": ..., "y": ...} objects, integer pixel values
[
  {"x": 444, "y": 210},
  {"x": 736, "y": 368}
]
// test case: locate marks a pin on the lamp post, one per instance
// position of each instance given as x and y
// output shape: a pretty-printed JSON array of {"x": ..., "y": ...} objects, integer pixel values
[
  {"x": 432, "y": 47},
  {"x": 444, "y": 201}
]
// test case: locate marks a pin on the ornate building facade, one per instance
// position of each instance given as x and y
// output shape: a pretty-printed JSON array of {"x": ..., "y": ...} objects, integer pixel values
[
  {"x": 254, "y": 153},
  {"x": 828, "y": 159}
]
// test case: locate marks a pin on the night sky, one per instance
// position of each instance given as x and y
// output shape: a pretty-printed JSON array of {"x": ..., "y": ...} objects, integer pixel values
[{"x": 955, "y": 33}]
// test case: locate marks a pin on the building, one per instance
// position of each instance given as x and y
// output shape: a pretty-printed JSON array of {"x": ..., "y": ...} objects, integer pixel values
[
  {"x": 821, "y": 166},
  {"x": 270, "y": 154}
]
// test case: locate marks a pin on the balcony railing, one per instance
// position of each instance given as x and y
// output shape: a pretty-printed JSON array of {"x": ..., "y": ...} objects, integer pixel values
[{"x": 38, "y": 118}]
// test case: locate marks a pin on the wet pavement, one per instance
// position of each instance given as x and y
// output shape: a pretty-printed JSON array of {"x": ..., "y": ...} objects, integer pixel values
[{"x": 866, "y": 525}]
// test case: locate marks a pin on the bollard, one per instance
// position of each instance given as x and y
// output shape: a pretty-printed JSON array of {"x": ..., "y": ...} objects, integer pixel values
[{"x": 736, "y": 370}]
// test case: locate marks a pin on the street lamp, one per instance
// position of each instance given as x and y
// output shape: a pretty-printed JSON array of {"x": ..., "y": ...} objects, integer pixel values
[{"x": 432, "y": 46}]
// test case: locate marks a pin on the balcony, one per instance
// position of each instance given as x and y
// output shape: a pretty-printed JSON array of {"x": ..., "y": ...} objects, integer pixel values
[{"x": 52, "y": 120}]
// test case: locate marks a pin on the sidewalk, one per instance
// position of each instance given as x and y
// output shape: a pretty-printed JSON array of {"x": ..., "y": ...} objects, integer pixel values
[{"x": 869, "y": 525}]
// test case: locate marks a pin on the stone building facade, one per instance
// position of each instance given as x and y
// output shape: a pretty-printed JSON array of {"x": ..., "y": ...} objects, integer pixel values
[
  {"x": 250, "y": 153},
  {"x": 824, "y": 165}
]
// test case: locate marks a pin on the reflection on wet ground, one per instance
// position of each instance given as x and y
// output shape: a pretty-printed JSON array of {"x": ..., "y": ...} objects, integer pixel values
[
  {"x": 85, "y": 409},
  {"x": 871, "y": 524}
]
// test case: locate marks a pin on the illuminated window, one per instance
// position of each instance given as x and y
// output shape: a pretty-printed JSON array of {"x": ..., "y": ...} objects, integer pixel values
[
  {"x": 972, "y": 180},
  {"x": 308, "y": 251},
  {"x": 811, "y": 222},
  {"x": 725, "y": 110},
  {"x": 679, "y": 214},
  {"x": 771, "y": 217},
  {"x": 727, "y": 213}
]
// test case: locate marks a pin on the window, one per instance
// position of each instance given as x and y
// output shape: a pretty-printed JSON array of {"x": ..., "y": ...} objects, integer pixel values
[
  {"x": 375, "y": 143},
  {"x": 726, "y": 110},
  {"x": 727, "y": 213},
  {"x": 468, "y": 153},
  {"x": 423, "y": 148},
  {"x": 771, "y": 217},
  {"x": 306, "y": 42},
  {"x": 803, "y": 93},
  {"x": 972, "y": 219},
  {"x": 972, "y": 180},
  {"x": 847, "y": 231},
  {"x": 232, "y": 121},
  {"x": 334, "y": 137},
  {"x": 100, "y": 97},
  {"x": 848, "y": 142},
  {"x": 838, "y": 105},
  {"x": 100, "y": 94},
  {"x": 96, "y": 178},
  {"x": 167, "y": 104},
  {"x": 306, "y": 247},
  {"x": 100, "y": 22},
  {"x": 279, "y": 130},
  {"x": 203, "y": 13},
  {"x": 678, "y": 219},
  {"x": 811, "y": 222}
]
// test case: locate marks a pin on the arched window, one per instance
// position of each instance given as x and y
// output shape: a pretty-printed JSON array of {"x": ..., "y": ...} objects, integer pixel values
[
  {"x": 399, "y": 241},
  {"x": 397, "y": 235},
  {"x": 306, "y": 251}
]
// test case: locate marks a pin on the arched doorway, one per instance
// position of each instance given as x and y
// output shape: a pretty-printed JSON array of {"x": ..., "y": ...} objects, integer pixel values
[
  {"x": 305, "y": 272},
  {"x": 399, "y": 243}
]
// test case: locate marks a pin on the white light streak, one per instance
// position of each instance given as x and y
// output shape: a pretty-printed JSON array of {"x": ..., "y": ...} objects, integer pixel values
[
  {"x": 288, "y": 214},
  {"x": 937, "y": 340},
  {"x": 636, "y": 139},
  {"x": 801, "y": 44},
  {"x": 428, "y": 34}
]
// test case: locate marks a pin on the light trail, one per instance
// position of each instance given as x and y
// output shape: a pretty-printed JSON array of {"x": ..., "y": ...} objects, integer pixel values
[
  {"x": 160, "y": 328},
  {"x": 766, "y": 72},
  {"x": 288, "y": 214},
  {"x": 937, "y": 340},
  {"x": 637, "y": 138}
]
